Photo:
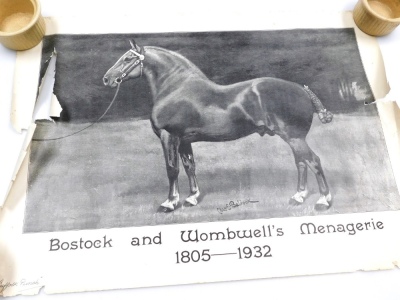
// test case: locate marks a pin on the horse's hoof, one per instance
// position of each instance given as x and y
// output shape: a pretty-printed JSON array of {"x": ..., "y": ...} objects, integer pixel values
[
  {"x": 170, "y": 204},
  {"x": 192, "y": 199},
  {"x": 300, "y": 196},
  {"x": 324, "y": 202}
]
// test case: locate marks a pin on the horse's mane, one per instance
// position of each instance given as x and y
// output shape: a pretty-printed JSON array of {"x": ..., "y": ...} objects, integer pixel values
[{"x": 193, "y": 68}]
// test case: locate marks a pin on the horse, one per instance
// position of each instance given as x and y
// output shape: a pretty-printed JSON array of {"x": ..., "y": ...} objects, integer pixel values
[{"x": 188, "y": 107}]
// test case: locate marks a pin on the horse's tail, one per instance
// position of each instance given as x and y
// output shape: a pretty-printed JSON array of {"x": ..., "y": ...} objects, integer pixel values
[{"x": 323, "y": 114}]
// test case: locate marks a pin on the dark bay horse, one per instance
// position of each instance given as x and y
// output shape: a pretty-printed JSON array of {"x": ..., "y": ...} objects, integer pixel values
[{"x": 188, "y": 107}]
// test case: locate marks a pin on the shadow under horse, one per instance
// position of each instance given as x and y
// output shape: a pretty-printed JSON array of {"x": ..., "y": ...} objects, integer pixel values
[{"x": 188, "y": 107}]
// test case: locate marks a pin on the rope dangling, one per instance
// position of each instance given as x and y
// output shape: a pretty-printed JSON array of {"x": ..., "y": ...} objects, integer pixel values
[{"x": 80, "y": 130}]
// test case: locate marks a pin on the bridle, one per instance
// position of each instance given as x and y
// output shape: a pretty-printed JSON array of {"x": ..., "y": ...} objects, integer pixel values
[{"x": 130, "y": 68}]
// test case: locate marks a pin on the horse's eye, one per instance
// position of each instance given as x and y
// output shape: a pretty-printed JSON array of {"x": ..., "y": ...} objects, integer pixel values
[{"x": 128, "y": 59}]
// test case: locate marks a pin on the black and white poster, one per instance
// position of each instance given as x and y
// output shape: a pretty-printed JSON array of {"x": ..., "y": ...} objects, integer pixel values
[
  {"x": 245, "y": 113},
  {"x": 192, "y": 150}
]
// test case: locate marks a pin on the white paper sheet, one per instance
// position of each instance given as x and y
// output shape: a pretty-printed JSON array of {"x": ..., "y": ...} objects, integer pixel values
[{"x": 148, "y": 266}]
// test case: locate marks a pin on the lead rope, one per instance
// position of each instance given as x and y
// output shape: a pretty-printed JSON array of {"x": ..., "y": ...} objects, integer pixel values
[{"x": 80, "y": 130}]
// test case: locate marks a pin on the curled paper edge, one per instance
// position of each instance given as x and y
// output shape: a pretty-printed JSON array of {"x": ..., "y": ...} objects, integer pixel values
[
  {"x": 25, "y": 87},
  {"x": 46, "y": 100},
  {"x": 392, "y": 96},
  {"x": 46, "y": 106}
]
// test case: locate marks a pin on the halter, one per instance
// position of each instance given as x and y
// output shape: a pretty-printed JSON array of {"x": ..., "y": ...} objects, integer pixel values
[{"x": 133, "y": 66}]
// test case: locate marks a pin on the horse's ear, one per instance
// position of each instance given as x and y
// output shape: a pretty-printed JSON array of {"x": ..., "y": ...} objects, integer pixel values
[{"x": 133, "y": 44}]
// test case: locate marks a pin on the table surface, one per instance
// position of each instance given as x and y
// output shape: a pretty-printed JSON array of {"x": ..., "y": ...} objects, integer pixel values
[{"x": 357, "y": 285}]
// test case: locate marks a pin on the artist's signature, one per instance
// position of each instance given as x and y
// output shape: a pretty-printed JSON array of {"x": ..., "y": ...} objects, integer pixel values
[
  {"x": 22, "y": 284},
  {"x": 234, "y": 204}
]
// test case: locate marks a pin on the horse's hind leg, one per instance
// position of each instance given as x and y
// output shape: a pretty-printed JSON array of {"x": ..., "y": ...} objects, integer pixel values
[
  {"x": 304, "y": 157},
  {"x": 170, "y": 146},
  {"x": 187, "y": 157},
  {"x": 315, "y": 166},
  {"x": 298, "y": 151},
  {"x": 302, "y": 191}
]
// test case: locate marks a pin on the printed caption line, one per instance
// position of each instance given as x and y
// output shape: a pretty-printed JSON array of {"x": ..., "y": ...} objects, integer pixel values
[{"x": 219, "y": 254}]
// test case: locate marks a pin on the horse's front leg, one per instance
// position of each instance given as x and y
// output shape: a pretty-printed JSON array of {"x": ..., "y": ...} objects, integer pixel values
[
  {"x": 187, "y": 157},
  {"x": 170, "y": 146}
]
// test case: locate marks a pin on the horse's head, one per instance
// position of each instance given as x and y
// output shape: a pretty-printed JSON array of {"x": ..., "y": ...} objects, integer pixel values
[{"x": 128, "y": 66}]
